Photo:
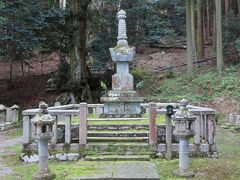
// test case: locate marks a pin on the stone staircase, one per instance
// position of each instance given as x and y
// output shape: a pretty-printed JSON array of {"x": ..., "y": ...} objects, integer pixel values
[{"x": 118, "y": 139}]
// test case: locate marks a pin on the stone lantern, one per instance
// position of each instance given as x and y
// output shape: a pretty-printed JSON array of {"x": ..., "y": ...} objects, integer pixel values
[
  {"x": 42, "y": 124},
  {"x": 184, "y": 129},
  {"x": 3, "y": 111}
]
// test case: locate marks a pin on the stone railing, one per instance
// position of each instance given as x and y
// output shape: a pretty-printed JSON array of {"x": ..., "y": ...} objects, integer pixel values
[
  {"x": 8, "y": 116},
  {"x": 205, "y": 126}
]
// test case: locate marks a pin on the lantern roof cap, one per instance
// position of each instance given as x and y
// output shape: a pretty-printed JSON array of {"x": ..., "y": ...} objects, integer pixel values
[{"x": 43, "y": 117}]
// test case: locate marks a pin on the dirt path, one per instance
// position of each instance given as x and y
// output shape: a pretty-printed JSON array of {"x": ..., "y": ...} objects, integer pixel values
[{"x": 6, "y": 141}]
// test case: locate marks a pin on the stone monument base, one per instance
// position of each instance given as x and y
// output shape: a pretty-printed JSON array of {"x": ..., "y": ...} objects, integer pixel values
[
  {"x": 183, "y": 173},
  {"x": 122, "y": 104},
  {"x": 44, "y": 175}
]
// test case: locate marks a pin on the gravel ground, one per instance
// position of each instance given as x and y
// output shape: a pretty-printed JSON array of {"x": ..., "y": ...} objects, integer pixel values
[{"x": 4, "y": 143}]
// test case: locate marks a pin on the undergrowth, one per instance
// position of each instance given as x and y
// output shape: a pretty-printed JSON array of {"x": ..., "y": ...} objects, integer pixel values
[{"x": 204, "y": 86}]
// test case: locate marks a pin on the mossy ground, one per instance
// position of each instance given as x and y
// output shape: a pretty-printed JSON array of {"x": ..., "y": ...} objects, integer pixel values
[
  {"x": 160, "y": 120},
  {"x": 226, "y": 167}
]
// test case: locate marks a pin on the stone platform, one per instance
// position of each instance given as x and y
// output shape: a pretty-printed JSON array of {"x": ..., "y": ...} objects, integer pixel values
[
  {"x": 120, "y": 104},
  {"x": 125, "y": 170}
]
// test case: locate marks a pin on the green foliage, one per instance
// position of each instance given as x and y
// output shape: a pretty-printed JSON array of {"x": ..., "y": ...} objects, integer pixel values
[
  {"x": 231, "y": 33},
  {"x": 237, "y": 45},
  {"x": 103, "y": 85},
  {"x": 16, "y": 35},
  {"x": 140, "y": 85},
  {"x": 148, "y": 22},
  {"x": 30, "y": 24},
  {"x": 205, "y": 86}
]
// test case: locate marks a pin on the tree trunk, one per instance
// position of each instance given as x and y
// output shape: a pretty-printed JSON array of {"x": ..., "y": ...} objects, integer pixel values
[
  {"x": 238, "y": 3},
  {"x": 79, "y": 66},
  {"x": 226, "y": 9},
  {"x": 200, "y": 38},
  {"x": 193, "y": 30},
  {"x": 208, "y": 19},
  {"x": 214, "y": 32},
  {"x": 218, "y": 5},
  {"x": 189, "y": 39},
  {"x": 10, "y": 68}
]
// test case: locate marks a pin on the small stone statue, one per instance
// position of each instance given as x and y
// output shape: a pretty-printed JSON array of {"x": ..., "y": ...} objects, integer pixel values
[{"x": 43, "y": 108}]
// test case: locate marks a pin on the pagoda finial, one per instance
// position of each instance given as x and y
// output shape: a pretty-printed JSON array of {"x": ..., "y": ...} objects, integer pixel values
[{"x": 122, "y": 29}]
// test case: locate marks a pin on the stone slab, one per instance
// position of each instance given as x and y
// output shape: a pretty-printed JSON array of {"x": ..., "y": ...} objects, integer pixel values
[
  {"x": 124, "y": 170},
  {"x": 135, "y": 170}
]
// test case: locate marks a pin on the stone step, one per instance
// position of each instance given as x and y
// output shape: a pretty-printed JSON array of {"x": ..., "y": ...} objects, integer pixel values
[
  {"x": 118, "y": 158},
  {"x": 118, "y": 127},
  {"x": 116, "y": 119},
  {"x": 117, "y": 134},
  {"x": 117, "y": 139},
  {"x": 120, "y": 148}
]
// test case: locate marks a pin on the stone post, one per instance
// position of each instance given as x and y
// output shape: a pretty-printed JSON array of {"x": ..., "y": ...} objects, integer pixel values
[
  {"x": 27, "y": 130},
  {"x": 9, "y": 114},
  {"x": 15, "y": 109},
  {"x": 68, "y": 129},
  {"x": 83, "y": 112},
  {"x": 212, "y": 132},
  {"x": 152, "y": 123},
  {"x": 54, "y": 129},
  {"x": 168, "y": 118},
  {"x": 183, "y": 155},
  {"x": 237, "y": 117},
  {"x": 3, "y": 111}
]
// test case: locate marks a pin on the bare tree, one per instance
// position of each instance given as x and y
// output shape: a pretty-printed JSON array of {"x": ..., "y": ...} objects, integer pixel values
[
  {"x": 219, "y": 47},
  {"x": 189, "y": 39},
  {"x": 200, "y": 35}
]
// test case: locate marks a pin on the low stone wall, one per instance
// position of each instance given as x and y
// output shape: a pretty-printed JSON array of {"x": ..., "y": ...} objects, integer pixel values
[{"x": 203, "y": 141}]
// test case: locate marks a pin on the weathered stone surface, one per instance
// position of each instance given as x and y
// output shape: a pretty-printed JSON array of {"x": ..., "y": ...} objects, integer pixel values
[
  {"x": 122, "y": 82},
  {"x": 25, "y": 158},
  {"x": 136, "y": 170},
  {"x": 116, "y": 108},
  {"x": 45, "y": 175},
  {"x": 33, "y": 158},
  {"x": 237, "y": 119},
  {"x": 231, "y": 118},
  {"x": 72, "y": 156},
  {"x": 3, "y": 110},
  {"x": 61, "y": 157},
  {"x": 193, "y": 148}
]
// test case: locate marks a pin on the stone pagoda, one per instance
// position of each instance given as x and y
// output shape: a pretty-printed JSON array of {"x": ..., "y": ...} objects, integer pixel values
[{"x": 122, "y": 100}]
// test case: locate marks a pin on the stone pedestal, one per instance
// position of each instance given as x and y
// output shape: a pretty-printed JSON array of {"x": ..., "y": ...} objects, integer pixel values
[
  {"x": 122, "y": 100},
  {"x": 183, "y": 160},
  {"x": 44, "y": 173},
  {"x": 121, "y": 104}
]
